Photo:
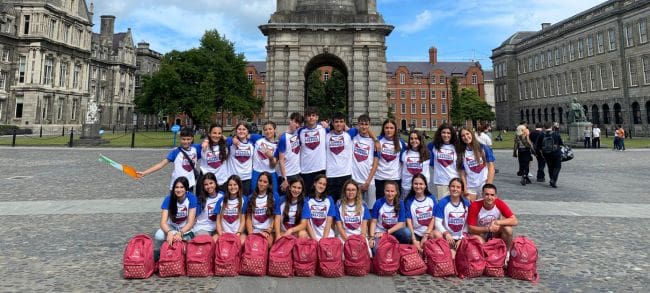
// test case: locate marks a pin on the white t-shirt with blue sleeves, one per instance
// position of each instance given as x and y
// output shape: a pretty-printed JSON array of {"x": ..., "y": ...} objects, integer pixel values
[
  {"x": 389, "y": 165},
  {"x": 211, "y": 163},
  {"x": 240, "y": 161},
  {"x": 260, "y": 220},
  {"x": 421, "y": 213},
  {"x": 182, "y": 167},
  {"x": 289, "y": 145},
  {"x": 312, "y": 149},
  {"x": 206, "y": 220},
  {"x": 339, "y": 153},
  {"x": 319, "y": 210},
  {"x": 452, "y": 218},
  {"x": 350, "y": 219},
  {"x": 386, "y": 215},
  {"x": 261, "y": 162},
  {"x": 230, "y": 214},
  {"x": 305, "y": 213},
  {"x": 182, "y": 210},
  {"x": 475, "y": 169},
  {"x": 443, "y": 163},
  {"x": 363, "y": 156}
]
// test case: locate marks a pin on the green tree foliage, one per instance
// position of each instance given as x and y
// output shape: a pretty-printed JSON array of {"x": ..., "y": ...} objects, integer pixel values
[
  {"x": 328, "y": 97},
  {"x": 200, "y": 81},
  {"x": 456, "y": 109},
  {"x": 475, "y": 108}
]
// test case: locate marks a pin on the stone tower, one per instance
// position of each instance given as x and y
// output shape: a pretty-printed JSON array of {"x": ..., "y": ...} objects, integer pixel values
[{"x": 304, "y": 35}]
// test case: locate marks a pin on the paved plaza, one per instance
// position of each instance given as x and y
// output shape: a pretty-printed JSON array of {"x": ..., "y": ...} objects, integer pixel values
[{"x": 67, "y": 218}]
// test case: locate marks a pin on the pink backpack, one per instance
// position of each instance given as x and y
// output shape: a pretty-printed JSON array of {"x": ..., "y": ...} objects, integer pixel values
[
  {"x": 411, "y": 263},
  {"x": 200, "y": 256},
  {"x": 305, "y": 257},
  {"x": 172, "y": 259},
  {"x": 227, "y": 252},
  {"x": 280, "y": 257},
  {"x": 495, "y": 257},
  {"x": 470, "y": 261},
  {"x": 138, "y": 260},
  {"x": 523, "y": 260},
  {"x": 386, "y": 261},
  {"x": 256, "y": 255},
  {"x": 438, "y": 258},
  {"x": 357, "y": 256},
  {"x": 330, "y": 253}
]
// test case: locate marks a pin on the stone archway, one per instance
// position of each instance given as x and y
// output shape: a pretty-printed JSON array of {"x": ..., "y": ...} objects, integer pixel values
[
  {"x": 336, "y": 63},
  {"x": 303, "y": 34}
]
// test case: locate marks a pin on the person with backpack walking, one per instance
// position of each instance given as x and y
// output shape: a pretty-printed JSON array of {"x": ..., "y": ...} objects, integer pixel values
[
  {"x": 490, "y": 217},
  {"x": 541, "y": 163},
  {"x": 549, "y": 143},
  {"x": 523, "y": 150}
]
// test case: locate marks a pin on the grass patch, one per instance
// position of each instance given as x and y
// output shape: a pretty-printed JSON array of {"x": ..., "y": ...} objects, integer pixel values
[{"x": 119, "y": 139}]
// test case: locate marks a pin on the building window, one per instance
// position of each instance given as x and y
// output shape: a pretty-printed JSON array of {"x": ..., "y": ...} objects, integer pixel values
[
  {"x": 590, "y": 45},
  {"x": 583, "y": 80},
  {"x": 543, "y": 86},
  {"x": 412, "y": 94},
  {"x": 403, "y": 108},
  {"x": 63, "y": 75},
  {"x": 603, "y": 76},
  {"x": 3, "y": 80},
  {"x": 549, "y": 58},
  {"x": 563, "y": 54},
  {"x": 530, "y": 64},
  {"x": 47, "y": 71},
  {"x": 557, "y": 56},
  {"x": 442, "y": 79},
  {"x": 402, "y": 94},
  {"x": 19, "y": 107},
  {"x": 259, "y": 93},
  {"x": 66, "y": 32},
  {"x": 444, "y": 108},
  {"x": 581, "y": 47},
  {"x": 413, "y": 109},
  {"x": 614, "y": 69},
  {"x": 5, "y": 55},
  {"x": 412, "y": 123},
  {"x": 402, "y": 78},
  {"x": 59, "y": 113},
  {"x": 536, "y": 61},
  {"x": 432, "y": 78},
  {"x": 611, "y": 36},
  {"x": 393, "y": 94},
  {"x": 423, "y": 95},
  {"x": 26, "y": 25},
  {"x": 424, "y": 123},
  {"x": 592, "y": 78},
  {"x": 643, "y": 31},
  {"x": 250, "y": 76},
  {"x": 433, "y": 95},
  {"x": 474, "y": 78},
  {"x": 631, "y": 65},
  {"x": 600, "y": 42},
  {"x": 558, "y": 84},
  {"x": 572, "y": 51},
  {"x": 566, "y": 83},
  {"x": 75, "y": 76},
  {"x": 423, "y": 108},
  {"x": 433, "y": 108},
  {"x": 326, "y": 76},
  {"x": 443, "y": 95},
  {"x": 541, "y": 60},
  {"x": 646, "y": 69},
  {"x": 434, "y": 123},
  {"x": 629, "y": 37}
]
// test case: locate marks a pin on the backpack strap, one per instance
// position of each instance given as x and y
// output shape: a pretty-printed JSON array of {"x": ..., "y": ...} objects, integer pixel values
[{"x": 197, "y": 173}]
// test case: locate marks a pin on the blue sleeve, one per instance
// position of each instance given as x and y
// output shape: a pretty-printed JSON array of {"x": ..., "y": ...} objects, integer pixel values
[
  {"x": 332, "y": 212},
  {"x": 255, "y": 137},
  {"x": 432, "y": 154},
  {"x": 407, "y": 207},
  {"x": 194, "y": 203},
  {"x": 278, "y": 207},
  {"x": 245, "y": 204},
  {"x": 282, "y": 145},
  {"x": 366, "y": 213},
  {"x": 217, "y": 206},
  {"x": 229, "y": 141},
  {"x": 489, "y": 155},
  {"x": 306, "y": 211},
  {"x": 433, "y": 198},
  {"x": 173, "y": 154},
  {"x": 402, "y": 146},
  {"x": 439, "y": 210},
  {"x": 467, "y": 203},
  {"x": 353, "y": 132},
  {"x": 402, "y": 213},
  {"x": 375, "y": 209},
  {"x": 165, "y": 203},
  {"x": 337, "y": 217}
]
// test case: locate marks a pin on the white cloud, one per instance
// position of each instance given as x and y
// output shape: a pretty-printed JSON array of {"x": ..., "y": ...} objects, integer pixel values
[{"x": 421, "y": 22}]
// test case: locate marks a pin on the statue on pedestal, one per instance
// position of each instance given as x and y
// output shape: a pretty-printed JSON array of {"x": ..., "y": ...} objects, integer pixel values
[{"x": 577, "y": 113}]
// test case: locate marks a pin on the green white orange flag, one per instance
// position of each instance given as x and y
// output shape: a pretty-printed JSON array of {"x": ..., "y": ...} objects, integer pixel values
[{"x": 126, "y": 169}]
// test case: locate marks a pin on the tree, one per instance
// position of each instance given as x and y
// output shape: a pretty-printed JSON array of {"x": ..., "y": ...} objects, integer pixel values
[
  {"x": 315, "y": 90},
  {"x": 475, "y": 108},
  {"x": 200, "y": 81},
  {"x": 456, "y": 109},
  {"x": 328, "y": 97}
]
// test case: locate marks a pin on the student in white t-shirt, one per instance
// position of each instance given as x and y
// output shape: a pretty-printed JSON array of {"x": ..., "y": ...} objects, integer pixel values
[
  {"x": 420, "y": 205},
  {"x": 475, "y": 164},
  {"x": 365, "y": 162},
  {"x": 391, "y": 147},
  {"x": 443, "y": 159},
  {"x": 263, "y": 158},
  {"x": 214, "y": 155},
  {"x": 322, "y": 210},
  {"x": 288, "y": 153},
  {"x": 240, "y": 154},
  {"x": 451, "y": 215},
  {"x": 292, "y": 212},
  {"x": 339, "y": 150},
  {"x": 177, "y": 215},
  {"x": 260, "y": 213},
  {"x": 388, "y": 217},
  {"x": 415, "y": 160},
  {"x": 353, "y": 214},
  {"x": 232, "y": 218},
  {"x": 312, "y": 147},
  {"x": 209, "y": 199}
]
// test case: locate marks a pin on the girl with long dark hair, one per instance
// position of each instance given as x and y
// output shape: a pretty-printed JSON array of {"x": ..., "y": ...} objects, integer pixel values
[
  {"x": 415, "y": 160},
  {"x": 322, "y": 210},
  {"x": 177, "y": 215},
  {"x": 420, "y": 205},
  {"x": 292, "y": 214},
  {"x": 260, "y": 208},
  {"x": 214, "y": 155},
  {"x": 208, "y": 199},
  {"x": 232, "y": 218},
  {"x": 475, "y": 163},
  {"x": 443, "y": 159},
  {"x": 391, "y": 147}
]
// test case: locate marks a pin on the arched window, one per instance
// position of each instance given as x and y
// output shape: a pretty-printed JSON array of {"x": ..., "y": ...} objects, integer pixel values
[
  {"x": 545, "y": 114},
  {"x": 532, "y": 114},
  {"x": 618, "y": 115},
  {"x": 636, "y": 113},
  {"x": 403, "y": 124},
  {"x": 553, "y": 114},
  {"x": 539, "y": 114},
  {"x": 527, "y": 116},
  {"x": 559, "y": 112},
  {"x": 606, "y": 119},
  {"x": 595, "y": 118}
]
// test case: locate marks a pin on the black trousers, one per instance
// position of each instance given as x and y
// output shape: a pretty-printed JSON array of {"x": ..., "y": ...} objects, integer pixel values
[
  {"x": 541, "y": 163},
  {"x": 554, "y": 162},
  {"x": 309, "y": 178},
  {"x": 524, "y": 157},
  {"x": 595, "y": 143},
  {"x": 335, "y": 186}
]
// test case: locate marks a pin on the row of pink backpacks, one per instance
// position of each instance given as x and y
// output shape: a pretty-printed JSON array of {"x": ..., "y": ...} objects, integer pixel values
[{"x": 290, "y": 256}]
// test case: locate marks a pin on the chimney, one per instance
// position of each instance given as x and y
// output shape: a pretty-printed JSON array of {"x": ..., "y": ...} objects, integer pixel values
[
  {"x": 91, "y": 11},
  {"x": 433, "y": 55},
  {"x": 545, "y": 25},
  {"x": 143, "y": 45},
  {"x": 107, "y": 25}
]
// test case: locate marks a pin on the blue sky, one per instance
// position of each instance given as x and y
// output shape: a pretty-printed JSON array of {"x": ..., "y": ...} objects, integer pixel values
[{"x": 461, "y": 30}]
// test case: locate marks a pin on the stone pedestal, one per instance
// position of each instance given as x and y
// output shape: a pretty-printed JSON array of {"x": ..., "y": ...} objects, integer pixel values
[
  {"x": 576, "y": 130},
  {"x": 90, "y": 135}
]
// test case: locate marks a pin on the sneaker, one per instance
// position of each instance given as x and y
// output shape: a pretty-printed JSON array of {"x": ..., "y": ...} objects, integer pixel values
[
  {"x": 530, "y": 175},
  {"x": 553, "y": 184},
  {"x": 541, "y": 179}
]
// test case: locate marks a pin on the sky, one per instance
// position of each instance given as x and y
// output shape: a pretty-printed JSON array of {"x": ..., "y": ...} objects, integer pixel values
[{"x": 461, "y": 30}]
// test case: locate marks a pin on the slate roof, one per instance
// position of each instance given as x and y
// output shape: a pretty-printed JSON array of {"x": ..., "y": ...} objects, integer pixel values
[
  {"x": 450, "y": 68},
  {"x": 488, "y": 75}
]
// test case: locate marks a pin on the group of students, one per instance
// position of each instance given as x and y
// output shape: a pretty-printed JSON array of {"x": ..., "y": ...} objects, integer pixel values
[
  {"x": 314, "y": 182},
  {"x": 544, "y": 144}
]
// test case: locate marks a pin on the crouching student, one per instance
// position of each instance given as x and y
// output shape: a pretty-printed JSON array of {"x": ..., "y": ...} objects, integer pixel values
[
  {"x": 451, "y": 215},
  {"x": 388, "y": 217},
  {"x": 179, "y": 210},
  {"x": 260, "y": 208},
  {"x": 232, "y": 218},
  {"x": 353, "y": 214},
  {"x": 208, "y": 199},
  {"x": 322, "y": 210},
  {"x": 420, "y": 205},
  {"x": 491, "y": 217},
  {"x": 292, "y": 213}
]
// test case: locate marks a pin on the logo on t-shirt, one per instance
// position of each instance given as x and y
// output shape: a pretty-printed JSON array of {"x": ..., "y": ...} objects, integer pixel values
[
  {"x": 352, "y": 221},
  {"x": 445, "y": 157},
  {"x": 261, "y": 150},
  {"x": 456, "y": 221},
  {"x": 211, "y": 215},
  {"x": 318, "y": 214},
  {"x": 213, "y": 160},
  {"x": 424, "y": 215},
  {"x": 361, "y": 151},
  {"x": 186, "y": 164},
  {"x": 231, "y": 214},
  {"x": 312, "y": 139},
  {"x": 260, "y": 214},
  {"x": 474, "y": 165},
  {"x": 388, "y": 220},
  {"x": 243, "y": 153},
  {"x": 181, "y": 215},
  {"x": 413, "y": 165},
  {"x": 485, "y": 221},
  {"x": 294, "y": 141},
  {"x": 388, "y": 151},
  {"x": 337, "y": 144}
]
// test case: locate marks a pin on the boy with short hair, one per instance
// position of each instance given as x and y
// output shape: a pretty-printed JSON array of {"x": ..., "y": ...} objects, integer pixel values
[
  {"x": 312, "y": 148},
  {"x": 288, "y": 152},
  {"x": 338, "y": 155},
  {"x": 365, "y": 161}
]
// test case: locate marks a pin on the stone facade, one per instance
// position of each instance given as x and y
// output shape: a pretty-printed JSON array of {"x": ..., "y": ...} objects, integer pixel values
[
  {"x": 305, "y": 35},
  {"x": 147, "y": 63},
  {"x": 45, "y": 48},
  {"x": 601, "y": 56}
]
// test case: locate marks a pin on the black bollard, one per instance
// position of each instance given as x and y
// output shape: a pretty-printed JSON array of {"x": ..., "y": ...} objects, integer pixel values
[
  {"x": 71, "y": 137},
  {"x": 41, "y": 132},
  {"x": 113, "y": 129},
  {"x": 125, "y": 129},
  {"x": 63, "y": 131},
  {"x": 133, "y": 138},
  {"x": 13, "y": 139}
]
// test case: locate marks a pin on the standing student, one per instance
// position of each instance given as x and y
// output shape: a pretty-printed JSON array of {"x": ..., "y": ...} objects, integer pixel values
[
  {"x": 338, "y": 155},
  {"x": 443, "y": 159},
  {"x": 388, "y": 217},
  {"x": 185, "y": 159},
  {"x": 214, "y": 156},
  {"x": 587, "y": 137},
  {"x": 322, "y": 210},
  {"x": 365, "y": 161},
  {"x": 549, "y": 143},
  {"x": 420, "y": 205},
  {"x": 475, "y": 163},
  {"x": 208, "y": 199},
  {"x": 241, "y": 149},
  {"x": 523, "y": 150},
  {"x": 353, "y": 214},
  {"x": 288, "y": 153},
  {"x": 263, "y": 158},
  {"x": 391, "y": 147},
  {"x": 415, "y": 160},
  {"x": 312, "y": 147},
  {"x": 233, "y": 208},
  {"x": 179, "y": 210},
  {"x": 595, "y": 138},
  {"x": 534, "y": 135},
  {"x": 260, "y": 208},
  {"x": 451, "y": 215},
  {"x": 292, "y": 213}
]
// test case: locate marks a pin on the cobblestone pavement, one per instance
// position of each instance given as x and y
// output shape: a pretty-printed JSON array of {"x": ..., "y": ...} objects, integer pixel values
[{"x": 78, "y": 245}]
